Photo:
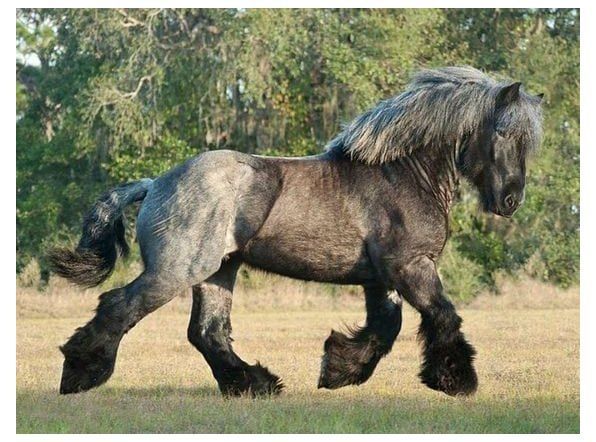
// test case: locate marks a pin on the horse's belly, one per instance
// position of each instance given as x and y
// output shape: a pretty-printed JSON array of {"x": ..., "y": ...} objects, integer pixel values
[{"x": 311, "y": 258}]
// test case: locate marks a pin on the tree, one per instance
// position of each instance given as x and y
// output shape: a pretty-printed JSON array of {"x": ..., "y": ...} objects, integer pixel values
[{"x": 119, "y": 94}]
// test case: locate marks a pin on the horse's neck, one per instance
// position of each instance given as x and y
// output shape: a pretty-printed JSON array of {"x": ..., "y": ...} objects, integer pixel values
[{"x": 436, "y": 173}]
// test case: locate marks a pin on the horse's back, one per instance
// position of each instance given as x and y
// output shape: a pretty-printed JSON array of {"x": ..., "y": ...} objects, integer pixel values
[{"x": 286, "y": 215}]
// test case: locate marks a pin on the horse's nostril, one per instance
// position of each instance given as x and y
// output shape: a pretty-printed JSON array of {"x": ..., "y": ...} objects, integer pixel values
[{"x": 509, "y": 201}]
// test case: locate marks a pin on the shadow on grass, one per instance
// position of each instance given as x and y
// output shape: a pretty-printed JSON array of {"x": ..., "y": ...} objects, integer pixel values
[{"x": 166, "y": 409}]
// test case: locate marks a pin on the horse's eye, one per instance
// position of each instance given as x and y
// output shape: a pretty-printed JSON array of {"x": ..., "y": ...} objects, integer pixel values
[{"x": 500, "y": 133}]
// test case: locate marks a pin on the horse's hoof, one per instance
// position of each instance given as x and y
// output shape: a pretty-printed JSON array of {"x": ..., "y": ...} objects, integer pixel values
[
  {"x": 451, "y": 370},
  {"x": 346, "y": 362},
  {"x": 460, "y": 382},
  {"x": 254, "y": 380},
  {"x": 79, "y": 375}
]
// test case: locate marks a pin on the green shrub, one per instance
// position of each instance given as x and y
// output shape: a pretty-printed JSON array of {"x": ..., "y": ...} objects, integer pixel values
[{"x": 462, "y": 278}]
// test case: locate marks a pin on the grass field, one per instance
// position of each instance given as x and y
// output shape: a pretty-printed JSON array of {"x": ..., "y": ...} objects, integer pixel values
[{"x": 528, "y": 366}]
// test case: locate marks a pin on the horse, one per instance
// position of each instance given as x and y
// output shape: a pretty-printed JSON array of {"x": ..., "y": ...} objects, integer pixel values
[{"x": 372, "y": 210}]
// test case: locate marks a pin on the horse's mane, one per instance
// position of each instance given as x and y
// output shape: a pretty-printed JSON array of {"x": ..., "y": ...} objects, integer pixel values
[{"x": 438, "y": 107}]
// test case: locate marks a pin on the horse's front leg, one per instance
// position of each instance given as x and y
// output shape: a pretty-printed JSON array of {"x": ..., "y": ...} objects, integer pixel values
[
  {"x": 352, "y": 359},
  {"x": 209, "y": 331},
  {"x": 448, "y": 357}
]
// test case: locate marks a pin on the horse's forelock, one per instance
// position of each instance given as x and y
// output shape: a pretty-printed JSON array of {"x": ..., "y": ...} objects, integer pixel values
[{"x": 522, "y": 121}]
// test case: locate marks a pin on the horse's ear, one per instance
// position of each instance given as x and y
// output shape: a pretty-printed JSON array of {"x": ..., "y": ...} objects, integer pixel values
[{"x": 508, "y": 94}]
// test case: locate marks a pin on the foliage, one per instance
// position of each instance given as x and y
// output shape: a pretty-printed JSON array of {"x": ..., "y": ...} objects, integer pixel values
[
  {"x": 462, "y": 278},
  {"x": 110, "y": 95}
]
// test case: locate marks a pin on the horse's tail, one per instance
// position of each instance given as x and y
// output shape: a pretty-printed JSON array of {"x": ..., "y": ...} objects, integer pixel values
[{"x": 103, "y": 237}]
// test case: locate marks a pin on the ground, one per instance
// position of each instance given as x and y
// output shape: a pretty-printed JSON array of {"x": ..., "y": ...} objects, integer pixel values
[{"x": 527, "y": 340}]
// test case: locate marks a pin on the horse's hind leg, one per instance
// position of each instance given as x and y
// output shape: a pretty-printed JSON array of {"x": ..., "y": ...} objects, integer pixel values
[
  {"x": 90, "y": 354},
  {"x": 352, "y": 359},
  {"x": 209, "y": 331}
]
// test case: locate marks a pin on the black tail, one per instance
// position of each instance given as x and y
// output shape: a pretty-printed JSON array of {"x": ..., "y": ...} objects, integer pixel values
[{"x": 103, "y": 237}]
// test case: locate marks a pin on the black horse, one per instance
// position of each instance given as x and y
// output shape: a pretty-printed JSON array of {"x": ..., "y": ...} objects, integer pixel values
[{"x": 371, "y": 210}]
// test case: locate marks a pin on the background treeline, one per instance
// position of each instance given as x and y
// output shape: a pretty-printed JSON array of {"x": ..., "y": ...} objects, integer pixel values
[{"x": 106, "y": 96}]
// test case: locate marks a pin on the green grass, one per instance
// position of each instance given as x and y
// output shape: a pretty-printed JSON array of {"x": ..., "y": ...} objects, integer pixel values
[
  {"x": 528, "y": 367},
  {"x": 201, "y": 410}
]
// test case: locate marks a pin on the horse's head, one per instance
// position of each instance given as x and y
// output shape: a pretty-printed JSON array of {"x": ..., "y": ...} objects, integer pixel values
[{"x": 494, "y": 158}]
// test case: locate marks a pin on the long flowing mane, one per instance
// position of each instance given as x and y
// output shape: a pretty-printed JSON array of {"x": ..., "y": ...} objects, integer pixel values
[{"x": 437, "y": 108}]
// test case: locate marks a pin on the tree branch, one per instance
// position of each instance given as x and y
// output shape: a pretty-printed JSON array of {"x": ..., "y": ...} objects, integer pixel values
[{"x": 133, "y": 94}]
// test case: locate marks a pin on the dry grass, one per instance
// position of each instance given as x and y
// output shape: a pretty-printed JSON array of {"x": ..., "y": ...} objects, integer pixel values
[{"x": 528, "y": 364}]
